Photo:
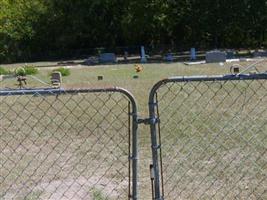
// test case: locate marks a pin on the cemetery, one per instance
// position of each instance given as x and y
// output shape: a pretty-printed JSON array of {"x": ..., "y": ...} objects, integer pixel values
[{"x": 133, "y": 100}]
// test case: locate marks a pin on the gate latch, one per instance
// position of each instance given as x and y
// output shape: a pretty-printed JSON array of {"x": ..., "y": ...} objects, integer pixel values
[{"x": 148, "y": 121}]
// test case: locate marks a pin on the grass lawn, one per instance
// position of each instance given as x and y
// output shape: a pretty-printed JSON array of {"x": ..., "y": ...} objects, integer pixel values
[
  {"x": 72, "y": 146},
  {"x": 122, "y": 76}
]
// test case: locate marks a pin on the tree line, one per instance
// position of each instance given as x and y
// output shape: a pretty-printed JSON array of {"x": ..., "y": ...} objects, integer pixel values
[{"x": 29, "y": 27}]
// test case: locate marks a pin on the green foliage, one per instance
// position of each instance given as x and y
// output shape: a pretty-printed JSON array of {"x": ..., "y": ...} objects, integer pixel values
[
  {"x": 20, "y": 71},
  {"x": 36, "y": 26},
  {"x": 63, "y": 71},
  {"x": 3, "y": 71},
  {"x": 26, "y": 70},
  {"x": 19, "y": 22},
  {"x": 30, "y": 70}
]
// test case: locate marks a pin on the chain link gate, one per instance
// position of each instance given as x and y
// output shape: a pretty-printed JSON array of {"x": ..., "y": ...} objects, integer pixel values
[
  {"x": 209, "y": 137},
  {"x": 68, "y": 144}
]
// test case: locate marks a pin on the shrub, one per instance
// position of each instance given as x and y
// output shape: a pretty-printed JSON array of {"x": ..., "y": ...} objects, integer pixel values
[
  {"x": 20, "y": 71},
  {"x": 3, "y": 71},
  {"x": 63, "y": 71},
  {"x": 26, "y": 70},
  {"x": 30, "y": 70}
]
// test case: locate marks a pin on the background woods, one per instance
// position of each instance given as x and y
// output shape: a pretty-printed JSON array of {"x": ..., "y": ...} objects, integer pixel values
[{"x": 33, "y": 27}]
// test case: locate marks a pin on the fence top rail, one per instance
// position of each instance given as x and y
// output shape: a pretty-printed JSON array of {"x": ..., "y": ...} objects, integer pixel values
[
  {"x": 58, "y": 91},
  {"x": 227, "y": 77},
  {"x": 29, "y": 91},
  {"x": 217, "y": 77}
]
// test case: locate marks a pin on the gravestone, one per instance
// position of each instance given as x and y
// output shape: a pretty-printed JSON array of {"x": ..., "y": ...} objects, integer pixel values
[
  {"x": 143, "y": 55},
  {"x": 193, "y": 54},
  {"x": 56, "y": 79},
  {"x": 261, "y": 53},
  {"x": 91, "y": 61},
  {"x": 125, "y": 55},
  {"x": 107, "y": 58},
  {"x": 168, "y": 57},
  {"x": 230, "y": 54},
  {"x": 215, "y": 56}
]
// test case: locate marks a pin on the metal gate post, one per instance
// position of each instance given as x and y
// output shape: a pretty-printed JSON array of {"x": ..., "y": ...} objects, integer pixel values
[
  {"x": 155, "y": 148},
  {"x": 134, "y": 149},
  {"x": 154, "y": 144}
]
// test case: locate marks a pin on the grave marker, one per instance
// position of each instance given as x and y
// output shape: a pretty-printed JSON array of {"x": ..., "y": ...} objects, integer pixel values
[
  {"x": 143, "y": 55},
  {"x": 107, "y": 58},
  {"x": 215, "y": 56},
  {"x": 261, "y": 53},
  {"x": 193, "y": 54}
]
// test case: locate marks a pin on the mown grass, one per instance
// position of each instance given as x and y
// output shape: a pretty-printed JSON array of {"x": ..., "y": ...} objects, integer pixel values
[
  {"x": 214, "y": 139},
  {"x": 61, "y": 138},
  {"x": 98, "y": 195},
  {"x": 122, "y": 76},
  {"x": 64, "y": 145}
]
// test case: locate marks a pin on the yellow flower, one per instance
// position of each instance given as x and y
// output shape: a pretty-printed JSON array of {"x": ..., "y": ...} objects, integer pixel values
[{"x": 138, "y": 68}]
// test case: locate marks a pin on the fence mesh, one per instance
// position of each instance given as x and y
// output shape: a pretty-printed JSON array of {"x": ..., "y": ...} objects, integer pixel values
[
  {"x": 65, "y": 146},
  {"x": 213, "y": 141},
  {"x": 82, "y": 144}
]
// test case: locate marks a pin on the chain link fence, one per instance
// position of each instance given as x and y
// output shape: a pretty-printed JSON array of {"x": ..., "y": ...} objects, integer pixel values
[
  {"x": 73, "y": 144},
  {"x": 209, "y": 137}
]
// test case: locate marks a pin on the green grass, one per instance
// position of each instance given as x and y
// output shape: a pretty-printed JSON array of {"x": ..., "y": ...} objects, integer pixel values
[
  {"x": 98, "y": 195},
  {"x": 122, "y": 76},
  {"x": 213, "y": 140},
  {"x": 35, "y": 195},
  {"x": 63, "y": 71},
  {"x": 30, "y": 70},
  {"x": 4, "y": 71},
  {"x": 75, "y": 138}
]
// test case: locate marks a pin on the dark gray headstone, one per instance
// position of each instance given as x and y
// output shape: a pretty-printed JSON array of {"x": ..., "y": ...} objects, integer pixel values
[
  {"x": 215, "y": 56},
  {"x": 125, "y": 55},
  {"x": 91, "y": 61},
  {"x": 260, "y": 53},
  {"x": 107, "y": 58},
  {"x": 230, "y": 54},
  {"x": 168, "y": 57}
]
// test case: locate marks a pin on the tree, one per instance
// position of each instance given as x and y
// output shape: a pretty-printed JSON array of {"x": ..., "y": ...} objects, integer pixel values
[{"x": 33, "y": 27}]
